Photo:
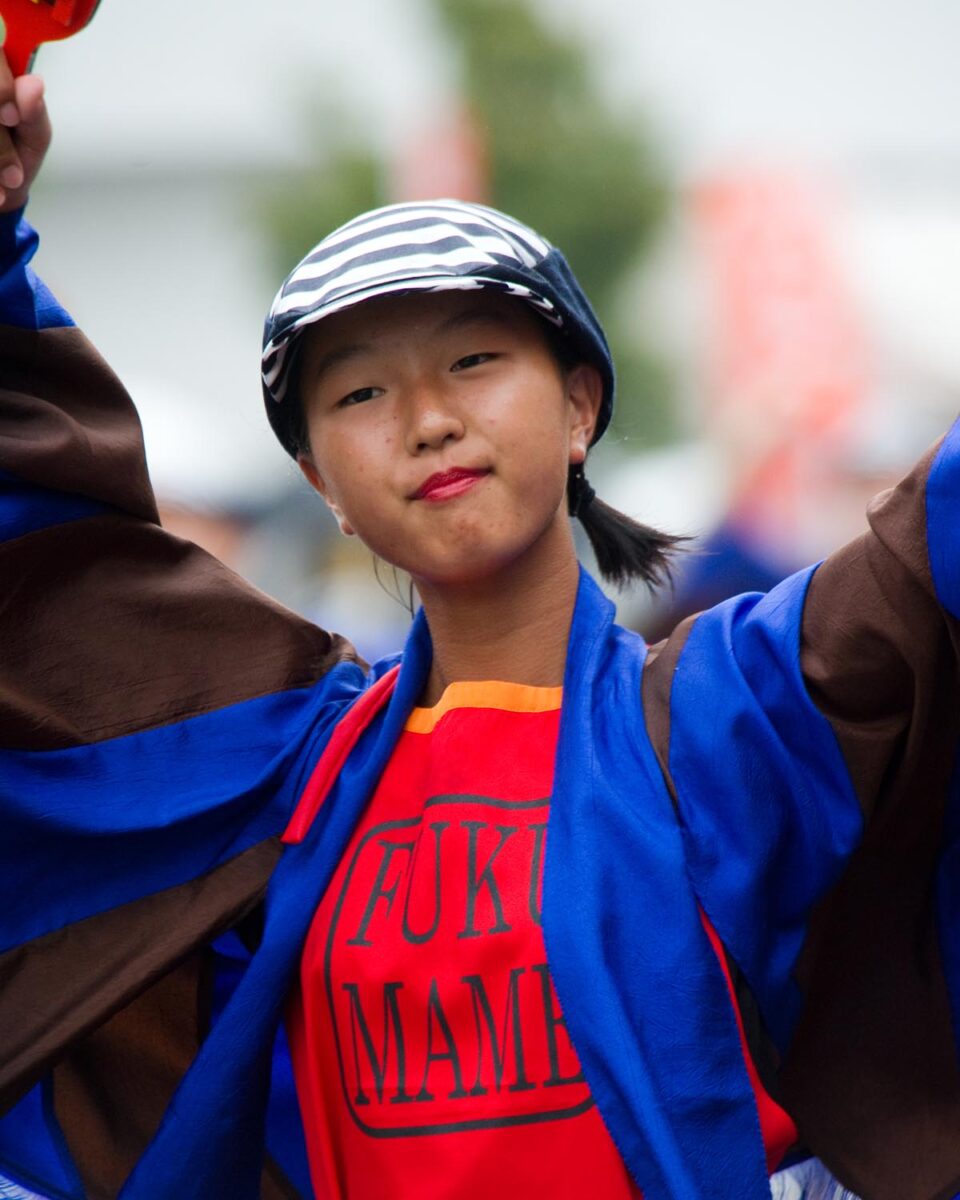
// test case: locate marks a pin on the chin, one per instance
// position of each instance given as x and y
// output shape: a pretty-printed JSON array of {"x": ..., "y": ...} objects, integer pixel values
[
  {"x": 453, "y": 575},
  {"x": 477, "y": 554},
  {"x": 476, "y": 568}
]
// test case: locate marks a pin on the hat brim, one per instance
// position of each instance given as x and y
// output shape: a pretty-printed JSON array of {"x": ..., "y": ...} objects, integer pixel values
[{"x": 276, "y": 354}]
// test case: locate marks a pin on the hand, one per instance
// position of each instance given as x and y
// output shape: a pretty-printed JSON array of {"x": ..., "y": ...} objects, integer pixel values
[{"x": 24, "y": 135}]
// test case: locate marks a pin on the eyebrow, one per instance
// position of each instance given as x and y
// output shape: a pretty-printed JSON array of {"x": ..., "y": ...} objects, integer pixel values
[
  {"x": 470, "y": 316},
  {"x": 334, "y": 358}
]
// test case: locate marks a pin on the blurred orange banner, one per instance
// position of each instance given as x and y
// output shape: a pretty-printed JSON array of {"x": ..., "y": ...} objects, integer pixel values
[
  {"x": 788, "y": 355},
  {"x": 447, "y": 159}
]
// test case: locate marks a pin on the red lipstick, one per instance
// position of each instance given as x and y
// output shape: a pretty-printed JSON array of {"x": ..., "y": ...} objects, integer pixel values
[{"x": 444, "y": 485}]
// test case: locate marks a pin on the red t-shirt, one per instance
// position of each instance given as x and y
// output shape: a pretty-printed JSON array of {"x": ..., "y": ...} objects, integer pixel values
[{"x": 430, "y": 1053}]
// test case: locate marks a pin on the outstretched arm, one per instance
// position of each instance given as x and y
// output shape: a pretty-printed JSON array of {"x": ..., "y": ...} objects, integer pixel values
[
  {"x": 811, "y": 740},
  {"x": 156, "y": 716},
  {"x": 874, "y": 1071},
  {"x": 110, "y": 625}
]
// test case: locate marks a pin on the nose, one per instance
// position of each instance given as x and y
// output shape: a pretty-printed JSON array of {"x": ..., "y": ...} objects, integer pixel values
[{"x": 432, "y": 420}]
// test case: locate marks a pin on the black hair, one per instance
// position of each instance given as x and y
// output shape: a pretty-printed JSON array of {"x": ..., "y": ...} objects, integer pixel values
[
  {"x": 626, "y": 550},
  {"x": 297, "y": 439}
]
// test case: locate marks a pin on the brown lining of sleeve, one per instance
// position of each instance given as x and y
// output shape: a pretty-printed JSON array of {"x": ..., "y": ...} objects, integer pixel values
[
  {"x": 871, "y": 1077},
  {"x": 111, "y": 625},
  {"x": 110, "y": 1091},
  {"x": 878, "y": 654},
  {"x": 656, "y": 685},
  {"x": 59, "y": 988},
  {"x": 274, "y": 1184},
  {"x": 66, "y": 421}
]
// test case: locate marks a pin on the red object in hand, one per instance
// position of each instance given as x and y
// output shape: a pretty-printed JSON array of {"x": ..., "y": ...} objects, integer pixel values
[{"x": 30, "y": 22}]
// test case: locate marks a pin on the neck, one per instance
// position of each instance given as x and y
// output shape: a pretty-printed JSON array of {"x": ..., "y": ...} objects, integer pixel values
[{"x": 513, "y": 626}]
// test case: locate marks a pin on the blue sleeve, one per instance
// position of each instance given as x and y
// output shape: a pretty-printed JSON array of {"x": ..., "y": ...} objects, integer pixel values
[
  {"x": 768, "y": 811},
  {"x": 943, "y": 521},
  {"x": 796, "y": 719},
  {"x": 285, "y": 1139},
  {"x": 33, "y": 1155},
  {"x": 25, "y": 301},
  {"x": 158, "y": 716},
  {"x": 150, "y": 699}
]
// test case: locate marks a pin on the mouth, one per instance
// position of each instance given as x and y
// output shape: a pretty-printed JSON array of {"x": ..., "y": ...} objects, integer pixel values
[{"x": 444, "y": 485}]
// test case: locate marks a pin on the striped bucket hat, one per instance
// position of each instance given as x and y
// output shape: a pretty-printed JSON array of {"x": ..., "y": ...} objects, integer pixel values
[{"x": 428, "y": 246}]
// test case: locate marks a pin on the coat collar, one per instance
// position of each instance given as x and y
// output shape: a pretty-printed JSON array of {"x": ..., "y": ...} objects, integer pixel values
[{"x": 643, "y": 995}]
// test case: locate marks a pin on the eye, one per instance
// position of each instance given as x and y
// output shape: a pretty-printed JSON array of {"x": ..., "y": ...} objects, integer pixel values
[
  {"x": 359, "y": 396},
  {"x": 472, "y": 360}
]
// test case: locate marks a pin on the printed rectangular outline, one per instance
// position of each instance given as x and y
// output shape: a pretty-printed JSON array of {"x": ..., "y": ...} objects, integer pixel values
[{"x": 480, "y": 1123}]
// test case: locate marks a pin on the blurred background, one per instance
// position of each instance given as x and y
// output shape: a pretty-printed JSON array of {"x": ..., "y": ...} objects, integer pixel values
[{"x": 762, "y": 199}]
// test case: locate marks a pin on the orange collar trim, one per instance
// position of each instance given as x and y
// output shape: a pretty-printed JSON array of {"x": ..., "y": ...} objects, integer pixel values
[{"x": 488, "y": 693}]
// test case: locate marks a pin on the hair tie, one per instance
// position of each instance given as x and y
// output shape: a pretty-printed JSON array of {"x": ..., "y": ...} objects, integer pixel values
[{"x": 580, "y": 495}]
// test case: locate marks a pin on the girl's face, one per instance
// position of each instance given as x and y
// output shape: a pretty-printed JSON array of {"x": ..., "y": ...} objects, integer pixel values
[{"x": 441, "y": 429}]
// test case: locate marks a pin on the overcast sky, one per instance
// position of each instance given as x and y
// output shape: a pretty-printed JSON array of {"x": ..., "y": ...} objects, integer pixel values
[{"x": 863, "y": 84}]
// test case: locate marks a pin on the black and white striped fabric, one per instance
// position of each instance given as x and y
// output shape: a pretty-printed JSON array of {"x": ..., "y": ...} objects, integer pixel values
[
  {"x": 404, "y": 247},
  {"x": 425, "y": 246}
]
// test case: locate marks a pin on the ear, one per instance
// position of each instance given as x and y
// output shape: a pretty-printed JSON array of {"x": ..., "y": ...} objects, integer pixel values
[
  {"x": 309, "y": 470},
  {"x": 585, "y": 396}
]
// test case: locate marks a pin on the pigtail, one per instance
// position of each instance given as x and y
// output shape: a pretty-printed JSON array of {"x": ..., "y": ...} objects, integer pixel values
[{"x": 625, "y": 550}]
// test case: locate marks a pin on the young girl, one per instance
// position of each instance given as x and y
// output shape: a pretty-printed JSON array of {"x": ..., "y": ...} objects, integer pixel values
[{"x": 531, "y": 908}]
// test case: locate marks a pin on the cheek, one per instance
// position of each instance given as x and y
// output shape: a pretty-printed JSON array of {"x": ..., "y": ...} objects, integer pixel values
[
  {"x": 352, "y": 456},
  {"x": 360, "y": 486},
  {"x": 546, "y": 438}
]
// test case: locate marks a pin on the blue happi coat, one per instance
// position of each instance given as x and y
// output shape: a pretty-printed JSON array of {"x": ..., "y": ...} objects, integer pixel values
[{"x": 717, "y": 775}]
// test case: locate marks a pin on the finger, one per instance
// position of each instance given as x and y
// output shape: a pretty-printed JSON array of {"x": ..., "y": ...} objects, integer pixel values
[
  {"x": 23, "y": 147},
  {"x": 32, "y": 135},
  {"x": 9, "y": 114},
  {"x": 11, "y": 169},
  {"x": 28, "y": 93}
]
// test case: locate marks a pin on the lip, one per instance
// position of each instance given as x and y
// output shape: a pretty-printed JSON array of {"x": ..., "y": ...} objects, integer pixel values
[{"x": 444, "y": 485}]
